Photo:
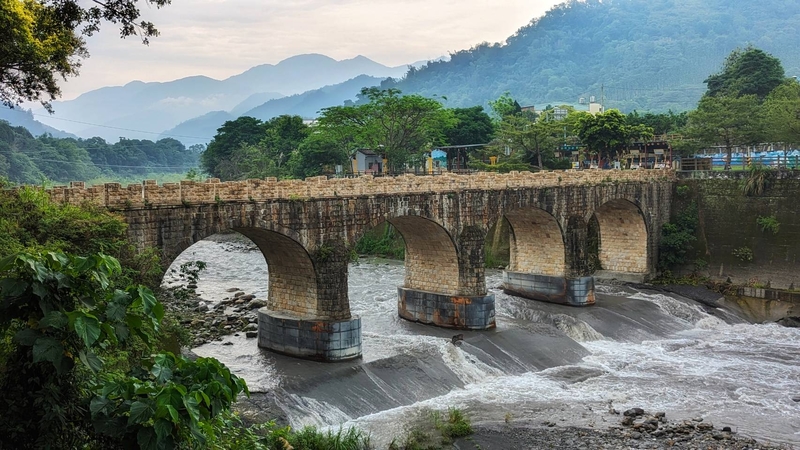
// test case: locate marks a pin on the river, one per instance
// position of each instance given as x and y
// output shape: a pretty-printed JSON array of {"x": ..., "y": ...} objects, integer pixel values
[{"x": 544, "y": 362}]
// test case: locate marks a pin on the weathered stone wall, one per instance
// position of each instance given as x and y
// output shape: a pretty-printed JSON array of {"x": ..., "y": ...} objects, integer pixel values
[
  {"x": 537, "y": 243},
  {"x": 727, "y": 222},
  {"x": 623, "y": 237},
  {"x": 149, "y": 193}
]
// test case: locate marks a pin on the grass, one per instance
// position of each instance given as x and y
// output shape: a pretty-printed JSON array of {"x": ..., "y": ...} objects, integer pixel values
[{"x": 439, "y": 433}]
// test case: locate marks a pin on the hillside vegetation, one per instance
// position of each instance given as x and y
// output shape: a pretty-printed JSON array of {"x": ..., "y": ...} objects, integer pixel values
[{"x": 650, "y": 55}]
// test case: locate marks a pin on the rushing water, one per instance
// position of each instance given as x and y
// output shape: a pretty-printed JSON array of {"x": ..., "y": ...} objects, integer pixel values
[{"x": 543, "y": 363}]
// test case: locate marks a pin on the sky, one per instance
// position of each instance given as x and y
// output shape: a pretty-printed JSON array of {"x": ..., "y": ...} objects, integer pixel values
[{"x": 220, "y": 38}]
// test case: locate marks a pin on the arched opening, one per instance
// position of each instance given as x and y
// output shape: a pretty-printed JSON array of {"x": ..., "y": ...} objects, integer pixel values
[
  {"x": 431, "y": 259},
  {"x": 285, "y": 274},
  {"x": 536, "y": 243},
  {"x": 619, "y": 233}
]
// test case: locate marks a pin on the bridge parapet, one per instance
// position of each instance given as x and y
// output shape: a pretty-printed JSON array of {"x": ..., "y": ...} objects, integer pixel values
[{"x": 150, "y": 193}]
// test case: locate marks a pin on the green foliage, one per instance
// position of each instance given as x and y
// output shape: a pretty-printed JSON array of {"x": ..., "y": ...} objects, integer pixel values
[
  {"x": 683, "y": 191},
  {"x": 30, "y": 220},
  {"x": 61, "y": 312},
  {"x": 457, "y": 424},
  {"x": 677, "y": 237},
  {"x": 744, "y": 254},
  {"x": 173, "y": 402},
  {"x": 505, "y": 106},
  {"x": 316, "y": 155},
  {"x": 768, "y": 223},
  {"x": 661, "y": 123},
  {"x": 726, "y": 120},
  {"x": 758, "y": 179},
  {"x": 605, "y": 134},
  {"x": 402, "y": 127},
  {"x": 782, "y": 113},
  {"x": 473, "y": 126},
  {"x": 43, "y": 41},
  {"x": 383, "y": 241},
  {"x": 28, "y": 160},
  {"x": 748, "y": 71}
]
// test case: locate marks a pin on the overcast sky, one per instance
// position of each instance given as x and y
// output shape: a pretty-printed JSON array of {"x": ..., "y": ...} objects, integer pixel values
[{"x": 220, "y": 38}]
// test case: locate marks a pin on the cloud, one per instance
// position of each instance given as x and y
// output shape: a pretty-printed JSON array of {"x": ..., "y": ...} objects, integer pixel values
[{"x": 220, "y": 38}]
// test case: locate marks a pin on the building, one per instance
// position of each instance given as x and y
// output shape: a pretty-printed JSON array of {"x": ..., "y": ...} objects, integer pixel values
[{"x": 368, "y": 162}]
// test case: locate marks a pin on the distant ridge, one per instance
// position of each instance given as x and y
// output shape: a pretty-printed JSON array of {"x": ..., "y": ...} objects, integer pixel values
[
  {"x": 158, "y": 106},
  {"x": 638, "y": 54}
]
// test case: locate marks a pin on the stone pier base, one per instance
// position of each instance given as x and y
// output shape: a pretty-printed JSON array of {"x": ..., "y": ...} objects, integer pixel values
[
  {"x": 465, "y": 313},
  {"x": 319, "y": 340},
  {"x": 573, "y": 292}
]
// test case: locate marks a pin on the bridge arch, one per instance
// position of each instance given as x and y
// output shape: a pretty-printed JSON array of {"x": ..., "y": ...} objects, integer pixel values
[
  {"x": 623, "y": 237},
  {"x": 536, "y": 243},
  {"x": 431, "y": 257}
]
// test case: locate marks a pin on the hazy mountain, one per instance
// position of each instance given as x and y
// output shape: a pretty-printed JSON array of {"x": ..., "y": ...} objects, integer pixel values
[
  {"x": 253, "y": 101},
  {"x": 307, "y": 105},
  {"x": 142, "y": 110},
  {"x": 199, "y": 130},
  {"x": 24, "y": 118},
  {"x": 637, "y": 54}
]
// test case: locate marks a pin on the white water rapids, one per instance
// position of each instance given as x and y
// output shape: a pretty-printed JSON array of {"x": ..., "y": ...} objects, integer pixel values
[{"x": 633, "y": 349}]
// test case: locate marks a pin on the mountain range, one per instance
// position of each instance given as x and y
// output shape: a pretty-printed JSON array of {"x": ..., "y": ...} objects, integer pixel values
[{"x": 145, "y": 110}]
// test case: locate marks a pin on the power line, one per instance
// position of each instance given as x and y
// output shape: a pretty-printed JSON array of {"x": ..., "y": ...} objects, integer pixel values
[
  {"x": 109, "y": 126},
  {"x": 91, "y": 163}
]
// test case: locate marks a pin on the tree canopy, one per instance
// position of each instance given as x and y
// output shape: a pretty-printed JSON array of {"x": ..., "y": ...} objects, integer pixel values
[
  {"x": 748, "y": 71},
  {"x": 43, "y": 40}
]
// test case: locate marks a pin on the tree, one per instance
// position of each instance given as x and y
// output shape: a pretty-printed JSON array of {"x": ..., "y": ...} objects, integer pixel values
[
  {"x": 230, "y": 137},
  {"x": 473, "y": 126},
  {"x": 726, "y": 120},
  {"x": 316, "y": 154},
  {"x": 42, "y": 40},
  {"x": 533, "y": 140},
  {"x": 748, "y": 71},
  {"x": 400, "y": 126},
  {"x": 505, "y": 106},
  {"x": 782, "y": 113},
  {"x": 606, "y": 133}
]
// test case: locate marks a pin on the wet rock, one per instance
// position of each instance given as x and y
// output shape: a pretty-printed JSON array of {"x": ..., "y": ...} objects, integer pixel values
[
  {"x": 697, "y": 419},
  {"x": 251, "y": 334},
  {"x": 257, "y": 303},
  {"x": 227, "y": 343},
  {"x": 726, "y": 429},
  {"x": 627, "y": 421},
  {"x": 634, "y": 412},
  {"x": 233, "y": 290},
  {"x": 705, "y": 426},
  {"x": 238, "y": 294},
  {"x": 636, "y": 435},
  {"x": 247, "y": 297},
  {"x": 202, "y": 307},
  {"x": 796, "y": 398}
]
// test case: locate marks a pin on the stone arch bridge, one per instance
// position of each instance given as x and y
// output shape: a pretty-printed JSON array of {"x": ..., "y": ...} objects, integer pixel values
[{"x": 305, "y": 229}]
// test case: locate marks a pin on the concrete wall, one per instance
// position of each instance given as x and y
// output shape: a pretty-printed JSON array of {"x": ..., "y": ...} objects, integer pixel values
[{"x": 727, "y": 221}]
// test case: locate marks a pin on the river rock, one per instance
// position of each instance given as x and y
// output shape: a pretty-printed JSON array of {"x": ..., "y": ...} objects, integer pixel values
[
  {"x": 238, "y": 294},
  {"x": 796, "y": 398},
  {"x": 247, "y": 297},
  {"x": 233, "y": 290},
  {"x": 634, "y": 412},
  {"x": 257, "y": 303},
  {"x": 202, "y": 307},
  {"x": 251, "y": 334}
]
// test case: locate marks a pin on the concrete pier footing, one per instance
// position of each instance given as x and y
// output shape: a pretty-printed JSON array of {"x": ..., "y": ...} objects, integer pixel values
[
  {"x": 319, "y": 340},
  {"x": 448, "y": 311},
  {"x": 566, "y": 291}
]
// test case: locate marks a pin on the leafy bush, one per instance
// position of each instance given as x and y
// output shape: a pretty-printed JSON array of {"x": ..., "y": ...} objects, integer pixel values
[
  {"x": 65, "y": 321},
  {"x": 745, "y": 254},
  {"x": 676, "y": 238},
  {"x": 758, "y": 179},
  {"x": 768, "y": 223},
  {"x": 383, "y": 241}
]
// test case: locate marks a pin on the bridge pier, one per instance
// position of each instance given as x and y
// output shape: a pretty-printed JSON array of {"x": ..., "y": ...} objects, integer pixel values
[
  {"x": 320, "y": 340},
  {"x": 553, "y": 289},
  {"x": 308, "y": 312},
  {"x": 447, "y": 311}
]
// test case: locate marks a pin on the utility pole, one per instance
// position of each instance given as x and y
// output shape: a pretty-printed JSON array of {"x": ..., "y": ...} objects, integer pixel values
[{"x": 602, "y": 98}]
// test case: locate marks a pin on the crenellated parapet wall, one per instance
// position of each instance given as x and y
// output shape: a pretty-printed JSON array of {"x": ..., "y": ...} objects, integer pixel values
[{"x": 212, "y": 191}]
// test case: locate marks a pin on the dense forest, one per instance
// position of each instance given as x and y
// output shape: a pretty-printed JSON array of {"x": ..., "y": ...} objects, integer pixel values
[
  {"x": 646, "y": 55},
  {"x": 26, "y": 159}
]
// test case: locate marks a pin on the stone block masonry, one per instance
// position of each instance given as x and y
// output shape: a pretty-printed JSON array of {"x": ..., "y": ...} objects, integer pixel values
[{"x": 306, "y": 229}]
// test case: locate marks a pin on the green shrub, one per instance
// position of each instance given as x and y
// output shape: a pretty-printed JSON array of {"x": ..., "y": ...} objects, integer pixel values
[{"x": 768, "y": 223}]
